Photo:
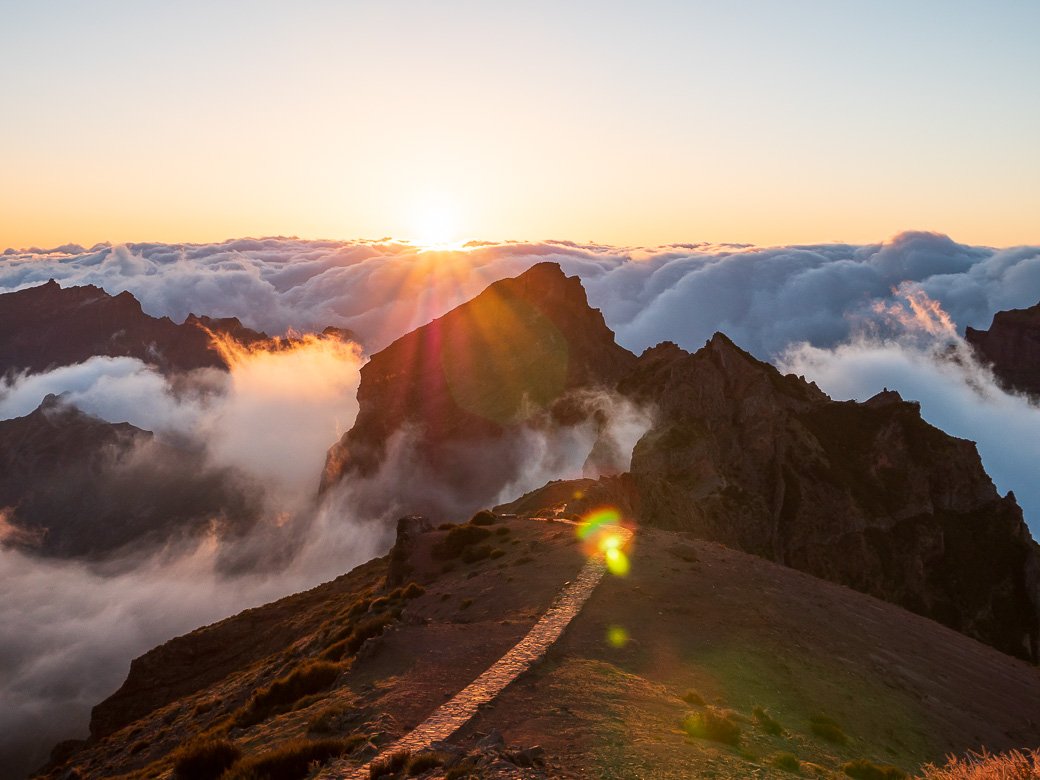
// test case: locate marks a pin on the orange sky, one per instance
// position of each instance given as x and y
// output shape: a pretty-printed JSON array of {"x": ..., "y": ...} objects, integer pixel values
[{"x": 602, "y": 122}]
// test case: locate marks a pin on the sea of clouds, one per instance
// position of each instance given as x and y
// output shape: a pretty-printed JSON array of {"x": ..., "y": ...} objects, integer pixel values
[{"x": 853, "y": 318}]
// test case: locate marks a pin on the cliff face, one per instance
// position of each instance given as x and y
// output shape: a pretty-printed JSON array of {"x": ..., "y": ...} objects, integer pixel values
[
  {"x": 1012, "y": 346},
  {"x": 72, "y": 485},
  {"x": 466, "y": 383},
  {"x": 47, "y": 326},
  {"x": 867, "y": 495}
]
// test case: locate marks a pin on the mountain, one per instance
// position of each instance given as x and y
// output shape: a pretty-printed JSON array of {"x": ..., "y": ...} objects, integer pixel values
[
  {"x": 464, "y": 386},
  {"x": 867, "y": 495},
  {"x": 1012, "y": 346},
  {"x": 75, "y": 486},
  {"x": 47, "y": 326},
  {"x": 790, "y": 663}
]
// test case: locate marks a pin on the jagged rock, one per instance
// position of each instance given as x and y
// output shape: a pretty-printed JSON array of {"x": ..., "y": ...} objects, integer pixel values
[
  {"x": 867, "y": 495},
  {"x": 73, "y": 485},
  {"x": 466, "y": 383},
  {"x": 1012, "y": 346},
  {"x": 47, "y": 326},
  {"x": 408, "y": 528}
]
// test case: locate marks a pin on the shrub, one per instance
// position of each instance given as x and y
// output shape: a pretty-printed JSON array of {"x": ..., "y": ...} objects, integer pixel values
[
  {"x": 474, "y": 554},
  {"x": 389, "y": 765},
  {"x": 413, "y": 590},
  {"x": 424, "y": 762},
  {"x": 280, "y": 695},
  {"x": 366, "y": 629},
  {"x": 766, "y": 722},
  {"x": 359, "y": 607},
  {"x": 694, "y": 698},
  {"x": 496, "y": 553},
  {"x": 484, "y": 517},
  {"x": 712, "y": 724},
  {"x": 329, "y": 720},
  {"x": 204, "y": 759},
  {"x": 205, "y": 706},
  {"x": 1015, "y": 765},
  {"x": 828, "y": 729},
  {"x": 458, "y": 539},
  {"x": 787, "y": 761},
  {"x": 466, "y": 604},
  {"x": 378, "y": 604},
  {"x": 465, "y": 768},
  {"x": 290, "y": 760},
  {"x": 862, "y": 769}
]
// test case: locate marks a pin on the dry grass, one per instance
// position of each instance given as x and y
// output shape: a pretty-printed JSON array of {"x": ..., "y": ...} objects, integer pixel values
[
  {"x": 284, "y": 692},
  {"x": 1015, "y": 765},
  {"x": 714, "y": 724}
]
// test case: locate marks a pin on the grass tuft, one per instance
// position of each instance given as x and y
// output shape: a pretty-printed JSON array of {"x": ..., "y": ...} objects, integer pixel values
[
  {"x": 280, "y": 695},
  {"x": 766, "y": 722},
  {"x": 204, "y": 759},
  {"x": 828, "y": 729},
  {"x": 788, "y": 762},
  {"x": 714, "y": 724},
  {"x": 291, "y": 760}
]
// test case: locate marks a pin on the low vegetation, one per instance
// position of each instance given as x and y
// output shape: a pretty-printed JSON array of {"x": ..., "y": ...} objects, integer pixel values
[
  {"x": 424, "y": 762},
  {"x": 864, "y": 769},
  {"x": 291, "y": 760},
  {"x": 788, "y": 762},
  {"x": 389, "y": 765},
  {"x": 204, "y": 759},
  {"x": 1014, "y": 765},
  {"x": 458, "y": 539},
  {"x": 714, "y": 724},
  {"x": 767, "y": 723},
  {"x": 484, "y": 517},
  {"x": 828, "y": 729},
  {"x": 283, "y": 693},
  {"x": 359, "y": 634}
]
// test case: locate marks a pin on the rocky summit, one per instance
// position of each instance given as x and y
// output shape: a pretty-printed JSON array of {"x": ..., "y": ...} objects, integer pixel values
[
  {"x": 1012, "y": 347},
  {"x": 464, "y": 385},
  {"x": 868, "y": 494},
  {"x": 48, "y": 326}
]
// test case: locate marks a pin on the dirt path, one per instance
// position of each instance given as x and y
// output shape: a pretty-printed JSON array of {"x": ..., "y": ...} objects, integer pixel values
[{"x": 456, "y": 712}]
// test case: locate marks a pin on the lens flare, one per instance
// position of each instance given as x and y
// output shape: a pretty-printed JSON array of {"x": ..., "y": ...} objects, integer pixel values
[
  {"x": 617, "y": 636},
  {"x": 602, "y": 533}
]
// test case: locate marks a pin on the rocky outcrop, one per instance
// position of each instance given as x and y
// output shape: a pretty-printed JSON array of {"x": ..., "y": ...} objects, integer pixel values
[
  {"x": 1012, "y": 346},
  {"x": 47, "y": 326},
  {"x": 462, "y": 386},
  {"x": 864, "y": 494},
  {"x": 72, "y": 485}
]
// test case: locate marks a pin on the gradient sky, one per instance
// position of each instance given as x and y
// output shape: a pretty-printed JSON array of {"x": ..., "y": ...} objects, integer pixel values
[{"x": 627, "y": 123}]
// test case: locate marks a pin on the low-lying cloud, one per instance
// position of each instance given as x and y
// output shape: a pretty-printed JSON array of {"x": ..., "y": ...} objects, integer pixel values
[{"x": 837, "y": 313}]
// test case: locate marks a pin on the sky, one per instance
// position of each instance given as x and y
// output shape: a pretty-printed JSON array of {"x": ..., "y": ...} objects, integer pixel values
[{"x": 624, "y": 123}]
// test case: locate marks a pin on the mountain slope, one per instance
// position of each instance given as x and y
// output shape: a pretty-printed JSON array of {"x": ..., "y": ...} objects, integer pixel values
[
  {"x": 72, "y": 485},
  {"x": 47, "y": 326},
  {"x": 463, "y": 386},
  {"x": 867, "y": 495},
  {"x": 1012, "y": 346},
  {"x": 608, "y": 700}
]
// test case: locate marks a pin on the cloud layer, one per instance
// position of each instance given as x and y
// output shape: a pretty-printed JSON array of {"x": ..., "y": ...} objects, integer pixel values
[{"x": 854, "y": 318}]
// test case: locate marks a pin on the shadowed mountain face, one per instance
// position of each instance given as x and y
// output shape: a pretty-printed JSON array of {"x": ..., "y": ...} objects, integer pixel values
[
  {"x": 867, "y": 495},
  {"x": 1012, "y": 346},
  {"x": 74, "y": 486},
  {"x": 466, "y": 383},
  {"x": 47, "y": 326}
]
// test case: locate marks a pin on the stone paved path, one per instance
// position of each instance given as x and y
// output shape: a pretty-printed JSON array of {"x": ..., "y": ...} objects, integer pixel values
[{"x": 454, "y": 713}]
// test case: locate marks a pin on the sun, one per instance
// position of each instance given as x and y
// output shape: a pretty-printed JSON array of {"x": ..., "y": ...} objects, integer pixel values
[{"x": 434, "y": 221}]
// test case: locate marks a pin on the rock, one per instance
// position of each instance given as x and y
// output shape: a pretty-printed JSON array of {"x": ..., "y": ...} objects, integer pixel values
[
  {"x": 47, "y": 326},
  {"x": 464, "y": 386},
  {"x": 408, "y": 528},
  {"x": 1012, "y": 347},
  {"x": 491, "y": 741}
]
